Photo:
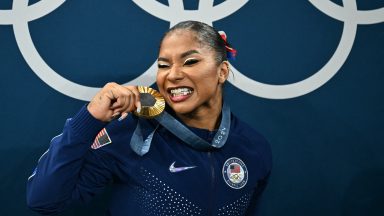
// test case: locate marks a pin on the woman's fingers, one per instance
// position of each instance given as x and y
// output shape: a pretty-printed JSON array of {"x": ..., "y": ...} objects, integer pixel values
[
  {"x": 137, "y": 94},
  {"x": 134, "y": 101},
  {"x": 114, "y": 100},
  {"x": 125, "y": 101}
]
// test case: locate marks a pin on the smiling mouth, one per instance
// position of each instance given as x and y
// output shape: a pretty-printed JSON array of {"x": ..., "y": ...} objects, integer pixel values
[
  {"x": 180, "y": 94},
  {"x": 180, "y": 91}
]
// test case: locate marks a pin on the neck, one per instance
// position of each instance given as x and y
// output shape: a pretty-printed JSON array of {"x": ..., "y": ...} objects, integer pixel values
[{"x": 206, "y": 117}]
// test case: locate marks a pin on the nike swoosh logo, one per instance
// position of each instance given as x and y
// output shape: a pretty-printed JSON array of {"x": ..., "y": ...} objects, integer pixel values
[{"x": 174, "y": 169}]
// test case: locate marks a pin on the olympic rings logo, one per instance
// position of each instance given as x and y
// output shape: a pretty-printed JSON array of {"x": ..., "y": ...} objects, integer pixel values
[{"x": 21, "y": 14}]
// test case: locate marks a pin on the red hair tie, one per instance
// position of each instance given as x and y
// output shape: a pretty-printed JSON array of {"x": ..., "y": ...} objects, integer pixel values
[{"x": 231, "y": 53}]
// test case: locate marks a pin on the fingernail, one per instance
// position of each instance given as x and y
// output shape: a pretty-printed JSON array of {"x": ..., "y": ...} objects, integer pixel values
[
  {"x": 123, "y": 116},
  {"x": 116, "y": 115},
  {"x": 138, "y": 109}
]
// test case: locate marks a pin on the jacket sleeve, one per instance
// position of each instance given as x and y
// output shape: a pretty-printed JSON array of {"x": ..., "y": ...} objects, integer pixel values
[{"x": 69, "y": 170}]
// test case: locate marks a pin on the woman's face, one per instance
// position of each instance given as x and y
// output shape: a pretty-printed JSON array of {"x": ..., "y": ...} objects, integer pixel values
[{"x": 188, "y": 75}]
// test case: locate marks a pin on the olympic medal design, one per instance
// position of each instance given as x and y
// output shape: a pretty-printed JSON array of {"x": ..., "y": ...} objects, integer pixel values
[
  {"x": 235, "y": 173},
  {"x": 152, "y": 102}
]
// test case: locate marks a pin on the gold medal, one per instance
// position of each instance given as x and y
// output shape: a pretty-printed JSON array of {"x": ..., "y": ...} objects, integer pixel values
[{"x": 152, "y": 102}]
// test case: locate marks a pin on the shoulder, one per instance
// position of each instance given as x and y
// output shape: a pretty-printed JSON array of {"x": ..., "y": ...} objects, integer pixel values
[
  {"x": 254, "y": 141},
  {"x": 241, "y": 128}
]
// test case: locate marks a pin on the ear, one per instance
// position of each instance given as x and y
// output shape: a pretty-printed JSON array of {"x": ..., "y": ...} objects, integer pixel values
[{"x": 223, "y": 71}]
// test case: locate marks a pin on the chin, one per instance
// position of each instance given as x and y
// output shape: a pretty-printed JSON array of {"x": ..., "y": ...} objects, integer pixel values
[{"x": 181, "y": 108}]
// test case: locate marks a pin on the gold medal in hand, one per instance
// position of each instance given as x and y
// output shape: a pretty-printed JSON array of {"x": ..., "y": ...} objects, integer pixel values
[{"x": 152, "y": 102}]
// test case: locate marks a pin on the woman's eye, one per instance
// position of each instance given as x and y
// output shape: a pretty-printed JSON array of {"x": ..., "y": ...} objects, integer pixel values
[
  {"x": 190, "y": 61},
  {"x": 162, "y": 65}
]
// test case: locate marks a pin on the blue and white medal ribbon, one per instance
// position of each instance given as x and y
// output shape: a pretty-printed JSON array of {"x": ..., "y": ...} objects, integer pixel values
[{"x": 141, "y": 146}]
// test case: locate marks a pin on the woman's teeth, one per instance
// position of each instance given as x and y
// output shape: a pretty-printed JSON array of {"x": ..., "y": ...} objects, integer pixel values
[{"x": 180, "y": 92}]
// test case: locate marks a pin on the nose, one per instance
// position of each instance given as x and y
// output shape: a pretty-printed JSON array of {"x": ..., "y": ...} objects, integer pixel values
[{"x": 175, "y": 74}]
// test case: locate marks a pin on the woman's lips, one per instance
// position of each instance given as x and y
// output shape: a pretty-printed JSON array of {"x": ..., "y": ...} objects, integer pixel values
[{"x": 180, "y": 94}]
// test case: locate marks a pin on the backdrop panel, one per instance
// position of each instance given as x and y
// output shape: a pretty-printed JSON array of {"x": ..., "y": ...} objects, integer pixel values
[{"x": 308, "y": 76}]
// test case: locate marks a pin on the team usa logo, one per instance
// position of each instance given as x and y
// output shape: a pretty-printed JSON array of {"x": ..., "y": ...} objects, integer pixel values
[{"x": 235, "y": 173}]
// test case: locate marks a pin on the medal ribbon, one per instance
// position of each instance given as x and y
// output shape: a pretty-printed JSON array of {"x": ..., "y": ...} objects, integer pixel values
[{"x": 141, "y": 146}]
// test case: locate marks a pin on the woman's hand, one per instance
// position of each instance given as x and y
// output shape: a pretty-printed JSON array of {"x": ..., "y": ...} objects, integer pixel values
[{"x": 114, "y": 100}]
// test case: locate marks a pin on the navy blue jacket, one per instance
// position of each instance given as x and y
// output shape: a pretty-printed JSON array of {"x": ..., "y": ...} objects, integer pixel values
[{"x": 171, "y": 179}]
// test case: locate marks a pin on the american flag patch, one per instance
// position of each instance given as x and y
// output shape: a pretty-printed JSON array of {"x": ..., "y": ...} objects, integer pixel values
[
  {"x": 101, "y": 139},
  {"x": 235, "y": 168}
]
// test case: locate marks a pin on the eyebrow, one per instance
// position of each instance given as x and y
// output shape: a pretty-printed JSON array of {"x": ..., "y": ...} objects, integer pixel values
[
  {"x": 190, "y": 52},
  {"x": 183, "y": 55}
]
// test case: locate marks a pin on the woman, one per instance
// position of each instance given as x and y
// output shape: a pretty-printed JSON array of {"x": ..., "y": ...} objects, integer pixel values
[{"x": 159, "y": 166}]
